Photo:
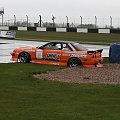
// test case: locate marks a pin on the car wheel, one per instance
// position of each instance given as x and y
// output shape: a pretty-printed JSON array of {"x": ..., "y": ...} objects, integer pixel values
[
  {"x": 24, "y": 57},
  {"x": 74, "y": 62}
]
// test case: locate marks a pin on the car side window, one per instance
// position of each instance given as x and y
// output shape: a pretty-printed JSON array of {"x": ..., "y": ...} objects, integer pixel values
[
  {"x": 48, "y": 46},
  {"x": 65, "y": 47},
  {"x": 58, "y": 46},
  {"x": 53, "y": 46}
]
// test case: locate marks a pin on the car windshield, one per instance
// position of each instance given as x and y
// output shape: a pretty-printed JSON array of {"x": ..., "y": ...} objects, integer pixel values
[{"x": 79, "y": 47}]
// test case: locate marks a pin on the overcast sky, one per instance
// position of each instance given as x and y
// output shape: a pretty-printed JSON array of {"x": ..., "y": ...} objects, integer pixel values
[{"x": 103, "y": 8}]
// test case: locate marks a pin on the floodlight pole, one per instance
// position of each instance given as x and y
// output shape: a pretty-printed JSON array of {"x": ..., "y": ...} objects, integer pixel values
[
  {"x": 40, "y": 20},
  {"x": 53, "y": 18},
  {"x": 110, "y": 22},
  {"x": 95, "y": 21},
  {"x": 27, "y": 20},
  {"x": 14, "y": 20},
  {"x": 81, "y": 20}
]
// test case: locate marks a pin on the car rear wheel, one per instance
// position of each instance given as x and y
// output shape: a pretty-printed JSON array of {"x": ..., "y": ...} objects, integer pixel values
[
  {"x": 24, "y": 57},
  {"x": 74, "y": 62}
]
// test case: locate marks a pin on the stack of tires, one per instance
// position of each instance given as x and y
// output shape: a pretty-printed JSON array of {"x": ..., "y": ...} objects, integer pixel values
[{"x": 114, "y": 53}]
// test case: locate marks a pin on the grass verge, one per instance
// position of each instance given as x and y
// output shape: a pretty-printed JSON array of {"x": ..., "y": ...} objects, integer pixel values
[
  {"x": 87, "y": 38},
  {"x": 23, "y": 97}
]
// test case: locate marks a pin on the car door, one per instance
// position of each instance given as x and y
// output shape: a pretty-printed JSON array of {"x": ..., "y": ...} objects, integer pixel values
[
  {"x": 52, "y": 52},
  {"x": 66, "y": 52}
]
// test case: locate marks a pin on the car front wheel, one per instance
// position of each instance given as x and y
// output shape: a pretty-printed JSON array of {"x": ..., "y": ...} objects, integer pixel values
[{"x": 24, "y": 57}]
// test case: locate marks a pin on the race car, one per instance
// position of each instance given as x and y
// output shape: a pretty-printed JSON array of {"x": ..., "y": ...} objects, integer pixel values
[{"x": 62, "y": 53}]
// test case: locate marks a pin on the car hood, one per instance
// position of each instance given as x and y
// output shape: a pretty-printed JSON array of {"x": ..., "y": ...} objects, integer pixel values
[{"x": 26, "y": 48}]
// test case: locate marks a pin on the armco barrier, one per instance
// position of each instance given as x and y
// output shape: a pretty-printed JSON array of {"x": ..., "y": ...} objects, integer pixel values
[
  {"x": 103, "y": 30},
  {"x": 42, "y": 29},
  {"x": 4, "y": 28},
  {"x": 22, "y": 28},
  {"x": 82, "y": 30},
  {"x": 70, "y": 29},
  {"x": 92, "y": 30},
  {"x": 51, "y": 29},
  {"x": 31, "y": 28},
  {"x": 114, "y": 30},
  {"x": 13, "y": 28},
  {"x": 61, "y": 30}
]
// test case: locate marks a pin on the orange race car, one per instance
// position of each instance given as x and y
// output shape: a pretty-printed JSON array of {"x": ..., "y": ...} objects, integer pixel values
[{"x": 60, "y": 53}]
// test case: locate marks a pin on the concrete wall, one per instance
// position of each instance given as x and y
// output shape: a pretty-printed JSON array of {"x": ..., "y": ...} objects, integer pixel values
[{"x": 70, "y": 29}]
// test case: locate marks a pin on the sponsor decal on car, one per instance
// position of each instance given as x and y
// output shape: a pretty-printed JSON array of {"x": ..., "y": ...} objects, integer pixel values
[
  {"x": 29, "y": 50},
  {"x": 53, "y": 56},
  {"x": 65, "y": 54},
  {"x": 79, "y": 55}
]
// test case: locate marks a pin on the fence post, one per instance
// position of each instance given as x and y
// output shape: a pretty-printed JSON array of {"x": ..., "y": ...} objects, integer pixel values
[
  {"x": 40, "y": 20},
  {"x": 53, "y": 18},
  {"x": 110, "y": 22},
  {"x": 95, "y": 21},
  {"x": 27, "y": 20},
  {"x": 81, "y": 21},
  {"x": 14, "y": 20},
  {"x": 2, "y": 19},
  {"x": 67, "y": 21}
]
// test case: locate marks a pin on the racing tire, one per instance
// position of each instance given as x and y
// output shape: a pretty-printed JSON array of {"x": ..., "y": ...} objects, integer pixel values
[
  {"x": 24, "y": 57},
  {"x": 74, "y": 62}
]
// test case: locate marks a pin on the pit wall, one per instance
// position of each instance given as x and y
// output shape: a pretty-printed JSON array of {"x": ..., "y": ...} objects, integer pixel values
[{"x": 79, "y": 30}]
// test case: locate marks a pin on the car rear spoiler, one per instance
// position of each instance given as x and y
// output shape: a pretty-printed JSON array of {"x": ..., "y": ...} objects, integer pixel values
[{"x": 94, "y": 51}]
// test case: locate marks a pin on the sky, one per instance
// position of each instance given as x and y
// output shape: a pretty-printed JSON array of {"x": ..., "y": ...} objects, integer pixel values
[{"x": 61, "y": 8}]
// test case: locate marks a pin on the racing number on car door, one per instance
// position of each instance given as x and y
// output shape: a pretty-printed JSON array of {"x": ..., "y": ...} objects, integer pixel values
[{"x": 39, "y": 54}]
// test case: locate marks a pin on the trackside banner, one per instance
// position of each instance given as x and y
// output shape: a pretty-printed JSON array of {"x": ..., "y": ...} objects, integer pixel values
[{"x": 7, "y": 34}]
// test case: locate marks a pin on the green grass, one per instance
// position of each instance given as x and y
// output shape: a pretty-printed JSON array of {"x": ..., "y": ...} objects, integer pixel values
[
  {"x": 89, "y": 38},
  {"x": 23, "y": 97}
]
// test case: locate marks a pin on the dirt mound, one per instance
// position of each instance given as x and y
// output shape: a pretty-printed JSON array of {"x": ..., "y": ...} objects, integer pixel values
[{"x": 109, "y": 74}]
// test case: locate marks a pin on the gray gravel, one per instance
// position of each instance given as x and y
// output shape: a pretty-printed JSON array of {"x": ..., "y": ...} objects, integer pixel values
[{"x": 109, "y": 74}]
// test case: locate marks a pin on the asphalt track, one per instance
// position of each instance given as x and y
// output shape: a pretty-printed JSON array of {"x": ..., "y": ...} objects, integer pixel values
[{"x": 7, "y": 46}]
